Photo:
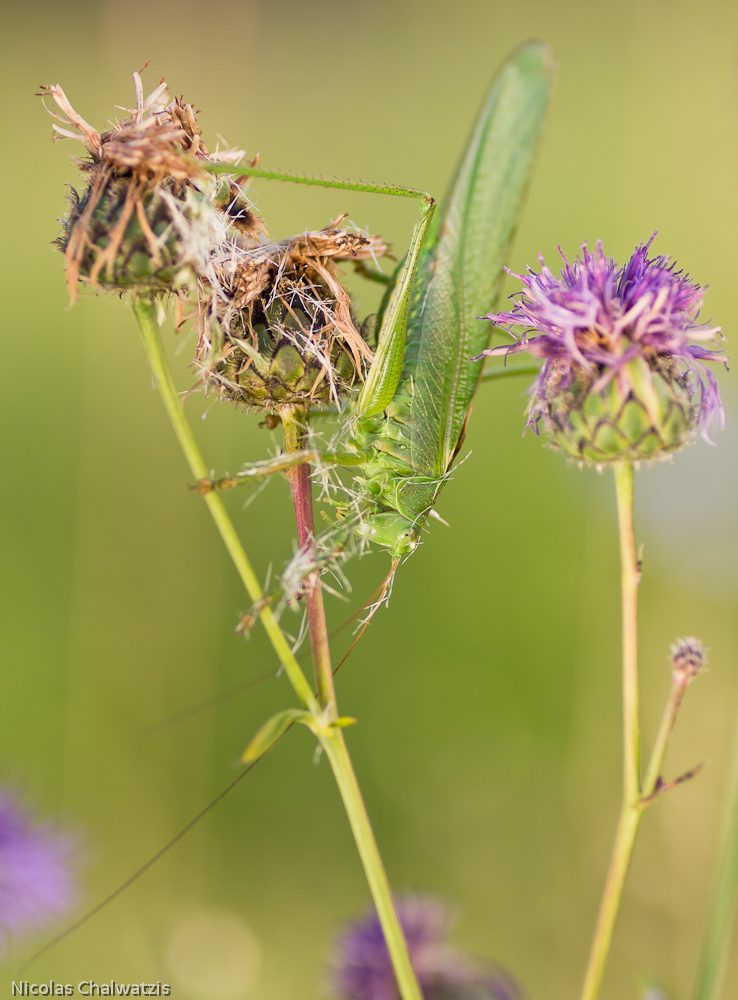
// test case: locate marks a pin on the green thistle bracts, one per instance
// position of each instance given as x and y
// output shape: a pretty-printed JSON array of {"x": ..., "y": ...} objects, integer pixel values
[
  {"x": 276, "y": 325},
  {"x": 642, "y": 414},
  {"x": 623, "y": 374},
  {"x": 275, "y": 363}
]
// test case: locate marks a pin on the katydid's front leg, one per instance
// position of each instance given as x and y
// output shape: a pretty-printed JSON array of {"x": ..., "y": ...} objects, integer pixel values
[
  {"x": 371, "y": 275},
  {"x": 384, "y": 375},
  {"x": 282, "y": 463}
]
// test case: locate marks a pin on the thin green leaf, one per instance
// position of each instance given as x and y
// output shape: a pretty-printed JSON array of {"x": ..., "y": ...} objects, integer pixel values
[
  {"x": 721, "y": 914},
  {"x": 345, "y": 721},
  {"x": 271, "y": 731}
]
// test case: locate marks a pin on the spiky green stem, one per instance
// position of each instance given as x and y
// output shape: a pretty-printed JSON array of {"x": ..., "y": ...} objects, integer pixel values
[{"x": 331, "y": 737}]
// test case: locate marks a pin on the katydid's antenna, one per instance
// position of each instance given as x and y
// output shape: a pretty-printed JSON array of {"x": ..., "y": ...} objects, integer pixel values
[
  {"x": 188, "y": 713},
  {"x": 144, "y": 868},
  {"x": 373, "y": 605}
]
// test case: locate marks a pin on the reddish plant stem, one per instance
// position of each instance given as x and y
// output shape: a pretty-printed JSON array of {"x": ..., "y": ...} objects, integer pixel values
[{"x": 295, "y": 425}]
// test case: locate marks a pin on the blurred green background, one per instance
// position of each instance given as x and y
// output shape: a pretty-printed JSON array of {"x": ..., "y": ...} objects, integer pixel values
[{"x": 488, "y": 743}]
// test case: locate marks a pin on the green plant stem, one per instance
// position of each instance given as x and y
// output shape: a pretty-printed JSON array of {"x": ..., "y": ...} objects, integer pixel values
[
  {"x": 628, "y": 824},
  {"x": 620, "y": 860},
  {"x": 146, "y": 316},
  {"x": 721, "y": 914},
  {"x": 337, "y": 753},
  {"x": 651, "y": 782},
  {"x": 630, "y": 575},
  {"x": 636, "y": 798},
  {"x": 631, "y": 810},
  {"x": 331, "y": 737}
]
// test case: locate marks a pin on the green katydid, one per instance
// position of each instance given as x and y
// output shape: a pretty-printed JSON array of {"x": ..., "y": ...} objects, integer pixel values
[{"x": 405, "y": 426}]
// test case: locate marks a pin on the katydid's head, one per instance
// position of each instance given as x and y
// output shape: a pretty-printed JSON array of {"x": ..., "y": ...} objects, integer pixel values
[
  {"x": 393, "y": 531},
  {"x": 276, "y": 325},
  {"x": 623, "y": 374},
  {"x": 149, "y": 216}
]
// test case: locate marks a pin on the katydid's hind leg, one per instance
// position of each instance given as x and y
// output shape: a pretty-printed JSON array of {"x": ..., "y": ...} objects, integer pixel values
[
  {"x": 312, "y": 180},
  {"x": 383, "y": 591}
]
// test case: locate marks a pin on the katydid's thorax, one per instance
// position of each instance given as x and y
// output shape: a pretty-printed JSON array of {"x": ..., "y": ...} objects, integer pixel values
[{"x": 389, "y": 479}]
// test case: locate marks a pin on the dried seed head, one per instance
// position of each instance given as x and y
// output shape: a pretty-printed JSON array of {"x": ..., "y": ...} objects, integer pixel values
[
  {"x": 275, "y": 323},
  {"x": 622, "y": 377},
  {"x": 688, "y": 659},
  {"x": 149, "y": 215}
]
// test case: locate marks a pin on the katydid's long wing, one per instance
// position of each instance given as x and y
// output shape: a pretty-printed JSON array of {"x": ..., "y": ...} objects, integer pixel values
[{"x": 460, "y": 277}]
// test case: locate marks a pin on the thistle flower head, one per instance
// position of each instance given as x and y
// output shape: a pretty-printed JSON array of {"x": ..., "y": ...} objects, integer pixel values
[
  {"x": 149, "y": 214},
  {"x": 275, "y": 323},
  {"x": 623, "y": 354},
  {"x": 363, "y": 970},
  {"x": 36, "y": 883}
]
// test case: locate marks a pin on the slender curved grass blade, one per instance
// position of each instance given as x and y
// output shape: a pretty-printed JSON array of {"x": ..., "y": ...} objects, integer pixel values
[
  {"x": 462, "y": 274},
  {"x": 272, "y": 730},
  {"x": 721, "y": 915}
]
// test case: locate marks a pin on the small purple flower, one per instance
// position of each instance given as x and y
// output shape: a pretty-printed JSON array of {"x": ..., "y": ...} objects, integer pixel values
[
  {"x": 629, "y": 332},
  {"x": 363, "y": 970},
  {"x": 36, "y": 883}
]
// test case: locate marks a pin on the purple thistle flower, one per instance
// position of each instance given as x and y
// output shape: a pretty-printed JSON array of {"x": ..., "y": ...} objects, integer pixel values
[
  {"x": 597, "y": 326},
  {"x": 363, "y": 970},
  {"x": 36, "y": 883}
]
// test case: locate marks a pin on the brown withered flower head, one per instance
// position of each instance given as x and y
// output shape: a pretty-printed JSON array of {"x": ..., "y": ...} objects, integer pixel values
[
  {"x": 275, "y": 323},
  {"x": 149, "y": 216}
]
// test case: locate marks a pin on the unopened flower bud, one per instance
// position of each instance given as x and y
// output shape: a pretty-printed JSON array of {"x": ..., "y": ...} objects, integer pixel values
[{"x": 688, "y": 659}]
